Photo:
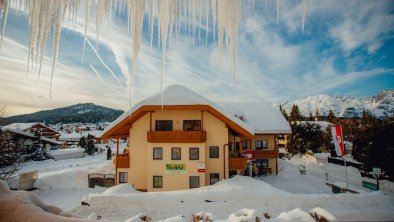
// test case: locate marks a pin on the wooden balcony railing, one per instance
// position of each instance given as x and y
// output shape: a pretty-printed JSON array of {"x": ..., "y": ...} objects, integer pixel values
[
  {"x": 176, "y": 136},
  {"x": 122, "y": 161},
  {"x": 237, "y": 163},
  {"x": 265, "y": 154}
]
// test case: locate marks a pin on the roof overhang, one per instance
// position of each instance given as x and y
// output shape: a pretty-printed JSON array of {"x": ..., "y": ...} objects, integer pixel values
[{"x": 122, "y": 128}]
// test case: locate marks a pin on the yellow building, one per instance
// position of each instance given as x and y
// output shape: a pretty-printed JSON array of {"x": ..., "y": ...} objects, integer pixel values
[{"x": 188, "y": 142}]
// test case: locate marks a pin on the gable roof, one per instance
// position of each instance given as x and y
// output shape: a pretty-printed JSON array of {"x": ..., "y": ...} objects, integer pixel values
[
  {"x": 25, "y": 126},
  {"x": 175, "y": 97},
  {"x": 261, "y": 116}
]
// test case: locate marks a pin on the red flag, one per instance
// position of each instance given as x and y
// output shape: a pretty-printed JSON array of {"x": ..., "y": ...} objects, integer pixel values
[{"x": 338, "y": 140}]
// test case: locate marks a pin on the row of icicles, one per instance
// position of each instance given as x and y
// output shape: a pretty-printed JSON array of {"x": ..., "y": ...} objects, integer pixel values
[{"x": 47, "y": 16}]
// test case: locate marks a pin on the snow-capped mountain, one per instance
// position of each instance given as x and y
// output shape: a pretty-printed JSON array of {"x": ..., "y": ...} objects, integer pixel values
[{"x": 381, "y": 105}]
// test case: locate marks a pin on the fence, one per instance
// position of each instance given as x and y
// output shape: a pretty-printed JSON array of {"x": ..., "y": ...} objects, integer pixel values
[{"x": 102, "y": 180}]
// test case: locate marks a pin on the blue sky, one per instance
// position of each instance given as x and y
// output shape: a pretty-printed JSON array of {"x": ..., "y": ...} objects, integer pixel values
[{"x": 347, "y": 48}]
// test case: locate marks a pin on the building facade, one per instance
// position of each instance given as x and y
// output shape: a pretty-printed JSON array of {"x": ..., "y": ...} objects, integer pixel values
[{"x": 185, "y": 143}]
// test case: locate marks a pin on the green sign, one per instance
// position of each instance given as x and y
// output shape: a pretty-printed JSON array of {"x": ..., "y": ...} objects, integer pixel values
[
  {"x": 175, "y": 168},
  {"x": 370, "y": 185}
]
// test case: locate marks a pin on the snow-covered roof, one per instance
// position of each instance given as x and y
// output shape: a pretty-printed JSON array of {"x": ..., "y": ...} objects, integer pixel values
[
  {"x": 259, "y": 118},
  {"x": 263, "y": 117},
  {"x": 323, "y": 124},
  {"x": 70, "y": 136},
  {"x": 179, "y": 95},
  {"x": 31, "y": 135},
  {"x": 24, "y": 126}
]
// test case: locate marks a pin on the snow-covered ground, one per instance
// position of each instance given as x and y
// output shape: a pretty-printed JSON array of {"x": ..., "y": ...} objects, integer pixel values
[{"x": 288, "y": 196}]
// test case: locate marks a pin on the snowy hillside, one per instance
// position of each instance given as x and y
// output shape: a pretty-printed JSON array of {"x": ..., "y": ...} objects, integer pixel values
[{"x": 381, "y": 105}]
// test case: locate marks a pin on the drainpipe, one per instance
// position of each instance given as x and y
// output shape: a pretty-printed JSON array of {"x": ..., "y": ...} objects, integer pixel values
[{"x": 224, "y": 160}]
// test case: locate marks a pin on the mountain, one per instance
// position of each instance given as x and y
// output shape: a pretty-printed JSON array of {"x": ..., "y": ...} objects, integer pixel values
[
  {"x": 84, "y": 113},
  {"x": 381, "y": 105}
]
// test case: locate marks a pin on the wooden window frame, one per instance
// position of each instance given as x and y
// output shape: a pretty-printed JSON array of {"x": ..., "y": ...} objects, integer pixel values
[
  {"x": 190, "y": 153},
  {"x": 192, "y": 129},
  {"x": 211, "y": 154},
  {"x": 157, "y": 148},
  {"x": 262, "y": 143},
  {"x": 190, "y": 181},
  {"x": 157, "y": 128},
  {"x": 123, "y": 177},
  {"x": 214, "y": 176},
  {"x": 153, "y": 181},
  {"x": 172, "y": 153}
]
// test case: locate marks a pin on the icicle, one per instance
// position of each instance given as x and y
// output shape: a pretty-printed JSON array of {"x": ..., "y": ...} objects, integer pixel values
[
  {"x": 206, "y": 21},
  {"x": 303, "y": 16},
  {"x": 87, "y": 19},
  {"x": 213, "y": 6},
  {"x": 151, "y": 22},
  {"x": 277, "y": 11},
  {"x": 4, "y": 5},
  {"x": 199, "y": 7},
  {"x": 171, "y": 15},
  {"x": 44, "y": 24},
  {"x": 60, "y": 8},
  {"x": 137, "y": 7},
  {"x": 164, "y": 10},
  {"x": 100, "y": 13},
  {"x": 220, "y": 28}
]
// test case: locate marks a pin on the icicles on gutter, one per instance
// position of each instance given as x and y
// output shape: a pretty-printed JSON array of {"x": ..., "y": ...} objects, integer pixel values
[
  {"x": 303, "y": 14},
  {"x": 4, "y": 6},
  {"x": 137, "y": 10}
]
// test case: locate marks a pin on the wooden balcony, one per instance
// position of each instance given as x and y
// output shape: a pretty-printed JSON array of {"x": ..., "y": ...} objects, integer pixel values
[
  {"x": 265, "y": 154},
  {"x": 237, "y": 163},
  {"x": 122, "y": 161},
  {"x": 176, "y": 136}
]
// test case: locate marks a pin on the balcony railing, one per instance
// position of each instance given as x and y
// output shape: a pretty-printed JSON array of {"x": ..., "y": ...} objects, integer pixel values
[
  {"x": 237, "y": 163},
  {"x": 122, "y": 161},
  {"x": 176, "y": 136},
  {"x": 265, "y": 154}
]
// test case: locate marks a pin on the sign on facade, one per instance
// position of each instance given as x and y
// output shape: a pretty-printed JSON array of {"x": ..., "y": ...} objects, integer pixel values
[
  {"x": 201, "y": 167},
  {"x": 175, "y": 168}
]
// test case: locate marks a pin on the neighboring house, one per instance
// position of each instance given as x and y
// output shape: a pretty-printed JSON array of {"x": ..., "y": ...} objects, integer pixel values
[
  {"x": 31, "y": 128},
  {"x": 190, "y": 141},
  {"x": 70, "y": 140},
  {"x": 26, "y": 139}
]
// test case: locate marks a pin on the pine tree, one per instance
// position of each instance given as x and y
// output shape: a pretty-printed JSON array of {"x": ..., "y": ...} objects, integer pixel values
[
  {"x": 38, "y": 148},
  {"x": 82, "y": 142},
  {"x": 11, "y": 157},
  {"x": 89, "y": 148},
  {"x": 331, "y": 117},
  {"x": 317, "y": 114},
  {"x": 310, "y": 116},
  {"x": 109, "y": 153},
  {"x": 295, "y": 114}
]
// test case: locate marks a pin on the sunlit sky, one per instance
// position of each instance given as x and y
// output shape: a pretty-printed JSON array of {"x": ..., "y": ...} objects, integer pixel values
[{"x": 347, "y": 49}]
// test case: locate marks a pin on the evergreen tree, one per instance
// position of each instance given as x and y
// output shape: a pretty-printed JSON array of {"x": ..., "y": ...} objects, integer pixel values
[
  {"x": 38, "y": 148},
  {"x": 310, "y": 116},
  {"x": 82, "y": 142},
  {"x": 295, "y": 114},
  {"x": 89, "y": 148},
  {"x": 11, "y": 157},
  {"x": 331, "y": 116},
  {"x": 109, "y": 153},
  {"x": 284, "y": 113}
]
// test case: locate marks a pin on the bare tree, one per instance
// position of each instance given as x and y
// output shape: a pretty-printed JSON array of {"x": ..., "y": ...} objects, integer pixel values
[{"x": 11, "y": 156}]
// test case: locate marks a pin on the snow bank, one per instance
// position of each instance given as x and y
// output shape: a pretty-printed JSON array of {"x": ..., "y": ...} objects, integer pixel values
[
  {"x": 120, "y": 189},
  {"x": 178, "y": 218},
  {"x": 71, "y": 178},
  {"x": 294, "y": 215},
  {"x": 63, "y": 154},
  {"x": 320, "y": 213},
  {"x": 243, "y": 215},
  {"x": 65, "y": 151}
]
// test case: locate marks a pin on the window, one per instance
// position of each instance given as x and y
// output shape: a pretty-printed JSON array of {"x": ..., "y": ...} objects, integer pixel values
[
  {"x": 237, "y": 147},
  {"x": 157, "y": 181},
  {"x": 157, "y": 153},
  {"x": 213, "y": 178},
  {"x": 262, "y": 162},
  {"x": 245, "y": 145},
  {"x": 213, "y": 152},
  {"x": 194, "y": 153},
  {"x": 122, "y": 177},
  {"x": 261, "y": 144},
  {"x": 163, "y": 125},
  {"x": 230, "y": 146},
  {"x": 191, "y": 125},
  {"x": 194, "y": 181},
  {"x": 176, "y": 153}
]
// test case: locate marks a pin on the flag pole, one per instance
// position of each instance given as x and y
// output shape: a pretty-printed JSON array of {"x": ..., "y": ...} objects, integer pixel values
[{"x": 344, "y": 157}]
